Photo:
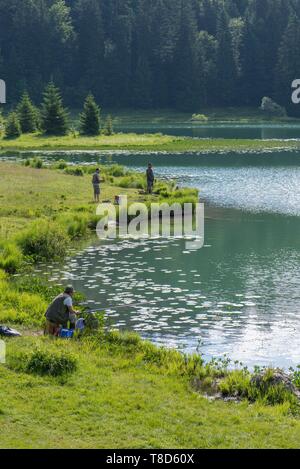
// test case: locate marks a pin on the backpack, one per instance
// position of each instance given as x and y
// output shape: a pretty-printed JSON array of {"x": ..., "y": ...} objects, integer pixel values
[{"x": 8, "y": 332}]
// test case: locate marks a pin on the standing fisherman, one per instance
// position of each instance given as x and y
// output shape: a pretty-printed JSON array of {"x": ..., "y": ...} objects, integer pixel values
[
  {"x": 150, "y": 179},
  {"x": 96, "y": 185}
]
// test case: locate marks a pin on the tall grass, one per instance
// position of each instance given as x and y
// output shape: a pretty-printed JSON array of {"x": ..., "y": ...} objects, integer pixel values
[
  {"x": 11, "y": 257},
  {"x": 43, "y": 240},
  {"x": 240, "y": 384},
  {"x": 20, "y": 307}
]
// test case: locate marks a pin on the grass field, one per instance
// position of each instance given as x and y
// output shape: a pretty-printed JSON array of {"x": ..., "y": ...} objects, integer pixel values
[
  {"x": 124, "y": 393},
  {"x": 146, "y": 142},
  {"x": 27, "y": 194},
  {"x": 117, "y": 399}
]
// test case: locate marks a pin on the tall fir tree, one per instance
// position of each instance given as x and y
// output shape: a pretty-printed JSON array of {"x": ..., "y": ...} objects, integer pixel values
[
  {"x": 206, "y": 46},
  {"x": 27, "y": 114},
  {"x": 91, "y": 47},
  {"x": 226, "y": 70},
  {"x": 54, "y": 115},
  {"x": 115, "y": 48},
  {"x": 90, "y": 117},
  {"x": 12, "y": 126}
]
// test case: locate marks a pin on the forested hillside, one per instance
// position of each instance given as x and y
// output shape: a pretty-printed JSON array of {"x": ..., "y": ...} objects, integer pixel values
[{"x": 183, "y": 54}]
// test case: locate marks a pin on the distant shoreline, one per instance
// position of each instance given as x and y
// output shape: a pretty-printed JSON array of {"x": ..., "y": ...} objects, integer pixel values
[{"x": 142, "y": 142}]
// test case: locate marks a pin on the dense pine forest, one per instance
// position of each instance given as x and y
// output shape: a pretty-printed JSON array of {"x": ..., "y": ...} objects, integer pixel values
[{"x": 181, "y": 54}]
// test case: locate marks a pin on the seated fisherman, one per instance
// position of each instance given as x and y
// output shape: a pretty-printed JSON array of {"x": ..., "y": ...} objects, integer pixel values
[{"x": 61, "y": 312}]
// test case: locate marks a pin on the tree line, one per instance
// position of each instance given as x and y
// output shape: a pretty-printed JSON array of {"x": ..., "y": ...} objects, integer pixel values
[{"x": 182, "y": 54}]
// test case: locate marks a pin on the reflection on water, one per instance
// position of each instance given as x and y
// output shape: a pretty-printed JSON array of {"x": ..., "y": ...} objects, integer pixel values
[{"x": 238, "y": 295}]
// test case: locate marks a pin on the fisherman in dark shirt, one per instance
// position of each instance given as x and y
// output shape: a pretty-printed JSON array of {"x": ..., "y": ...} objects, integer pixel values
[
  {"x": 150, "y": 179},
  {"x": 61, "y": 312}
]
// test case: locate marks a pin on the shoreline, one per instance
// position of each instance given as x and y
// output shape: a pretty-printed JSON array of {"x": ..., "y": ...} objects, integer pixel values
[
  {"x": 114, "y": 368},
  {"x": 143, "y": 143}
]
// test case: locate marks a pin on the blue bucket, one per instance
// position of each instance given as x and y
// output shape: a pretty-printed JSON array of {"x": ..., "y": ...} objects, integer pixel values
[{"x": 66, "y": 333}]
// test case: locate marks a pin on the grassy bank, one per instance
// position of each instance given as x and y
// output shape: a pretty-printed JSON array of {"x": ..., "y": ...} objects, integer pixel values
[
  {"x": 45, "y": 211},
  {"x": 123, "y": 395},
  {"x": 108, "y": 389},
  {"x": 146, "y": 142}
]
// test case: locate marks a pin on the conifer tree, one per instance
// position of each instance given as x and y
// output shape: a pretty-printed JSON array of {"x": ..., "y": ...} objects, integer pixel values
[
  {"x": 108, "y": 127},
  {"x": 27, "y": 114},
  {"x": 13, "y": 126},
  {"x": 90, "y": 117},
  {"x": 184, "y": 77},
  {"x": 54, "y": 115}
]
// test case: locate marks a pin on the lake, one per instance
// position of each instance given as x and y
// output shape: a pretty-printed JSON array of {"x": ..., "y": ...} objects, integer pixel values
[
  {"x": 244, "y": 131},
  {"x": 240, "y": 294}
]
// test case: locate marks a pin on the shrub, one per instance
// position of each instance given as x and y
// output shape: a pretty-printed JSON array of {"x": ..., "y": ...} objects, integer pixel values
[
  {"x": 131, "y": 182},
  {"x": 240, "y": 384},
  {"x": 33, "y": 162},
  {"x": 200, "y": 117},
  {"x": 10, "y": 257},
  {"x": 61, "y": 164},
  {"x": 44, "y": 363},
  {"x": 115, "y": 170},
  {"x": 43, "y": 240},
  {"x": 74, "y": 171},
  {"x": 77, "y": 226},
  {"x": 36, "y": 163}
]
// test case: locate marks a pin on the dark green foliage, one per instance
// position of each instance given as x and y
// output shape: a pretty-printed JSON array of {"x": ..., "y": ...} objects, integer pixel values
[
  {"x": 74, "y": 171},
  {"x": 165, "y": 53},
  {"x": 43, "y": 241},
  {"x": 54, "y": 115},
  {"x": 13, "y": 126},
  {"x": 226, "y": 69},
  {"x": 288, "y": 67},
  {"x": 27, "y": 114},
  {"x": 90, "y": 117}
]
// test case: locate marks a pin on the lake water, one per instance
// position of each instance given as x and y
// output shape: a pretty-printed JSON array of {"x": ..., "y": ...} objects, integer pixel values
[
  {"x": 240, "y": 294},
  {"x": 251, "y": 131}
]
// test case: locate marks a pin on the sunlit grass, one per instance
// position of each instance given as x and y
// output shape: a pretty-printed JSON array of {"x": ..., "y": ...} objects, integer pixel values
[
  {"x": 143, "y": 142},
  {"x": 115, "y": 399}
]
